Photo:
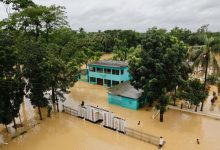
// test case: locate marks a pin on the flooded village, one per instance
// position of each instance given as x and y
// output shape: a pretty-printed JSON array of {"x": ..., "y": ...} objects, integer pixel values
[
  {"x": 63, "y": 131},
  {"x": 109, "y": 75}
]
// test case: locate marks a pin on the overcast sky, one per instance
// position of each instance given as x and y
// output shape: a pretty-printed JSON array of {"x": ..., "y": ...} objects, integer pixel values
[{"x": 94, "y": 15}]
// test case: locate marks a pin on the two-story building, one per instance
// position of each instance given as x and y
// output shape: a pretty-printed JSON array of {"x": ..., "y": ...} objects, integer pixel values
[{"x": 108, "y": 72}]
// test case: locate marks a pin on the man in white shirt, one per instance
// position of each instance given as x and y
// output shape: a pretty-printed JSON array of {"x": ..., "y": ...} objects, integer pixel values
[{"x": 161, "y": 142}]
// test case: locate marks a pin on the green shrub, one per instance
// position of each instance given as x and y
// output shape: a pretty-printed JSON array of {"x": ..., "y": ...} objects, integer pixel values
[{"x": 212, "y": 79}]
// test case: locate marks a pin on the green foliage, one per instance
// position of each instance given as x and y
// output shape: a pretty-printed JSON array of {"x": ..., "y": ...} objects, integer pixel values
[
  {"x": 11, "y": 81},
  {"x": 19, "y": 4},
  {"x": 107, "y": 40},
  {"x": 212, "y": 79},
  {"x": 37, "y": 73},
  {"x": 181, "y": 34},
  {"x": 194, "y": 92},
  {"x": 120, "y": 50},
  {"x": 157, "y": 68}
]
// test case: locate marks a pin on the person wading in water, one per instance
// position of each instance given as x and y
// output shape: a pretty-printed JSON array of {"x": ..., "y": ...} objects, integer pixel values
[
  {"x": 161, "y": 142},
  {"x": 197, "y": 141}
]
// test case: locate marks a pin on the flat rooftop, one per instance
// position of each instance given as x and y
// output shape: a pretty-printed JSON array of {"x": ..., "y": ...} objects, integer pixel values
[
  {"x": 110, "y": 63},
  {"x": 126, "y": 90}
]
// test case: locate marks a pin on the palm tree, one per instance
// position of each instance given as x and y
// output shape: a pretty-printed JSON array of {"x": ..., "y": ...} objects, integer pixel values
[{"x": 203, "y": 56}]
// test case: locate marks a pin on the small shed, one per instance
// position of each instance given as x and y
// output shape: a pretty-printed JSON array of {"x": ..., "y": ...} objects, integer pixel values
[{"x": 125, "y": 95}]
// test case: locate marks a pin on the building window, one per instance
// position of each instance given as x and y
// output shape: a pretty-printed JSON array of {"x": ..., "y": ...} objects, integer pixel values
[
  {"x": 107, "y": 71},
  {"x": 107, "y": 82},
  {"x": 115, "y": 82},
  {"x": 115, "y": 72},
  {"x": 92, "y": 79},
  {"x": 100, "y": 70},
  {"x": 122, "y": 72},
  {"x": 92, "y": 69}
]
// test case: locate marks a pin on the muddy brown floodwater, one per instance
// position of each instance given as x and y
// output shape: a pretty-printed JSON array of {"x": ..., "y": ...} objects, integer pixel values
[
  {"x": 62, "y": 131},
  {"x": 179, "y": 129}
]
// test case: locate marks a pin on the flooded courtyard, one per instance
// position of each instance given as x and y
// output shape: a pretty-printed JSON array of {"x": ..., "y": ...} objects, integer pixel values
[{"x": 63, "y": 131}]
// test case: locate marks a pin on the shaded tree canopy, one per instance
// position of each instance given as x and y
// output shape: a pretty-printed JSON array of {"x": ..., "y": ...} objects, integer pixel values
[
  {"x": 157, "y": 68},
  {"x": 11, "y": 82},
  {"x": 158, "y": 65},
  {"x": 194, "y": 92}
]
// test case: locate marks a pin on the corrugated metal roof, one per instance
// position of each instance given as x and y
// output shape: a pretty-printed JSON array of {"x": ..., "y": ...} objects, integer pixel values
[
  {"x": 126, "y": 90},
  {"x": 111, "y": 63}
]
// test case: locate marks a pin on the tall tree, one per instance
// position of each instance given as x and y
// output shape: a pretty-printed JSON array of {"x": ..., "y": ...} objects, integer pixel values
[
  {"x": 157, "y": 67},
  {"x": 36, "y": 70},
  {"x": 11, "y": 81},
  {"x": 185, "y": 70},
  {"x": 64, "y": 62},
  {"x": 38, "y": 23}
]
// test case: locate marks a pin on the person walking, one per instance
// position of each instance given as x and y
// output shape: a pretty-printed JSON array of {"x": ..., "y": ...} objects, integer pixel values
[
  {"x": 161, "y": 142},
  {"x": 82, "y": 104},
  {"x": 197, "y": 141}
]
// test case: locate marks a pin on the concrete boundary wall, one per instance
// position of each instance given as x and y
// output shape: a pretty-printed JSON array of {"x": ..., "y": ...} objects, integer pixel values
[
  {"x": 209, "y": 115},
  {"x": 116, "y": 124}
]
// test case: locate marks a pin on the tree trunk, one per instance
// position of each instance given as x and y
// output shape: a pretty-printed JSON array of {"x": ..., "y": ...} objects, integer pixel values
[
  {"x": 87, "y": 72},
  {"x": 20, "y": 118},
  {"x": 174, "y": 99},
  {"x": 190, "y": 104},
  {"x": 53, "y": 98},
  {"x": 58, "y": 107},
  {"x": 161, "y": 117},
  {"x": 53, "y": 95},
  {"x": 57, "y": 101},
  {"x": 15, "y": 125},
  {"x": 206, "y": 71},
  {"x": 196, "y": 108},
  {"x": 150, "y": 103},
  {"x": 47, "y": 35},
  {"x": 202, "y": 105},
  {"x": 37, "y": 32},
  {"x": 6, "y": 127},
  {"x": 40, "y": 115}
]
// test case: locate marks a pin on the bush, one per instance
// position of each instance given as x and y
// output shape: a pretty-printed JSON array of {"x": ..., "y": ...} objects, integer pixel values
[{"x": 212, "y": 79}]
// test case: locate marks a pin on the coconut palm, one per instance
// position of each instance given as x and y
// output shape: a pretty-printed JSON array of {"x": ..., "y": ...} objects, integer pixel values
[{"x": 203, "y": 56}]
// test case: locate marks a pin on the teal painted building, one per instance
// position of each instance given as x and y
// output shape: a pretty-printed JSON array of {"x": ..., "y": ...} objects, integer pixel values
[
  {"x": 127, "y": 96},
  {"x": 108, "y": 72}
]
